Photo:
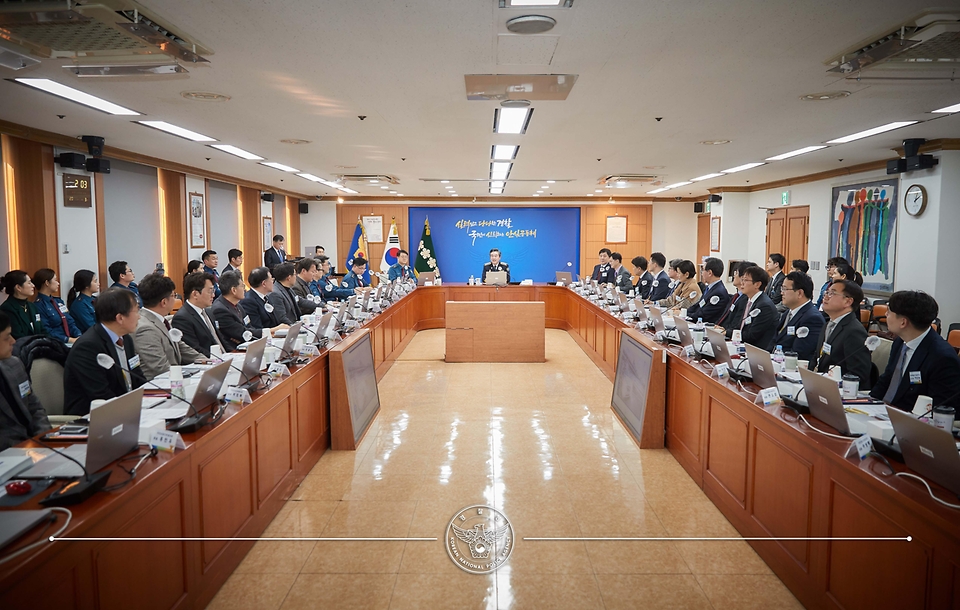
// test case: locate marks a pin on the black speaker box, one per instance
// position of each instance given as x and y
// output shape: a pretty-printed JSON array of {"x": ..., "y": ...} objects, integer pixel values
[
  {"x": 97, "y": 165},
  {"x": 72, "y": 160},
  {"x": 715, "y": 198},
  {"x": 266, "y": 196},
  {"x": 304, "y": 208},
  {"x": 698, "y": 207}
]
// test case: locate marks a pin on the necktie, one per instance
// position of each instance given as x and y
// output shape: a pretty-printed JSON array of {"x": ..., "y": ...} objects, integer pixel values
[
  {"x": 726, "y": 314},
  {"x": 213, "y": 331},
  {"x": 120, "y": 342},
  {"x": 746, "y": 314},
  {"x": 63, "y": 320},
  {"x": 897, "y": 375},
  {"x": 786, "y": 321},
  {"x": 167, "y": 324}
]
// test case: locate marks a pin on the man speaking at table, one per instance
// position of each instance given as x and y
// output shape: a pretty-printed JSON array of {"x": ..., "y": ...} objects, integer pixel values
[{"x": 495, "y": 264}]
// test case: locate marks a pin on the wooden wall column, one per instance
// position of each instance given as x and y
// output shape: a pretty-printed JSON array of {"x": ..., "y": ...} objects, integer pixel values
[
  {"x": 250, "y": 229},
  {"x": 173, "y": 224},
  {"x": 31, "y": 204},
  {"x": 293, "y": 226}
]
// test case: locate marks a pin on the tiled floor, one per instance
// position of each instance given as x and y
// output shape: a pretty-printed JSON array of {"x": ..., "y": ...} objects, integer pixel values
[{"x": 540, "y": 443}]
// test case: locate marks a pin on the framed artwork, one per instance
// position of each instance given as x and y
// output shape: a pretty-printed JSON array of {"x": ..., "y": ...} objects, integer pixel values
[
  {"x": 863, "y": 230},
  {"x": 715, "y": 234},
  {"x": 267, "y": 224},
  {"x": 616, "y": 230},
  {"x": 198, "y": 221},
  {"x": 373, "y": 229}
]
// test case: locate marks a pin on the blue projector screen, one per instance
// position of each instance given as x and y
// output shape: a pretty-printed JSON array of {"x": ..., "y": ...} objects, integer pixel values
[{"x": 535, "y": 242}]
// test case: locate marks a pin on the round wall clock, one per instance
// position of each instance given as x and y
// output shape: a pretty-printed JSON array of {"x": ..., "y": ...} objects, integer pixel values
[{"x": 915, "y": 200}]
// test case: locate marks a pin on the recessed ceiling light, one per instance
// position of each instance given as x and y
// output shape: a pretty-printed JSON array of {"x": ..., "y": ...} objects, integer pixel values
[
  {"x": 494, "y": 191},
  {"x": 544, "y": 186},
  {"x": 448, "y": 187},
  {"x": 676, "y": 184},
  {"x": 794, "y": 153},
  {"x": 177, "y": 131},
  {"x": 393, "y": 192},
  {"x": 871, "y": 132},
  {"x": 536, "y": 194},
  {"x": 948, "y": 109},
  {"x": 714, "y": 142},
  {"x": 589, "y": 194},
  {"x": 444, "y": 182},
  {"x": 551, "y": 181},
  {"x": 740, "y": 168},
  {"x": 598, "y": 191},
  {"x": 824, "y": 96},
  {"x": 385, "y": 187},
  {"x": 539, "y": 191},
  {"x": 511, "y": 120},
  {"x": 75, "y": 95},
  {"x": 655, "y": 191},
  {"x": 239, "y": 152},
  {"x": 504, "y": 152},
  {"x": 531, "y": 24},
  {"x": 497, "y": 184},
  {"x": 399, "y": 194},
  {"x": 298, "y": 142},
  {"x": 535, "y": 2},
  {"x": 374, "y": 181},
  {"x": 279, "y": 166},
  {"x": 705, "y": 177}
]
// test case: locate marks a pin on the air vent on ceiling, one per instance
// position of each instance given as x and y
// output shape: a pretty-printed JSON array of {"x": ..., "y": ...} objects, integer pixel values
[
  {"x": 109, "y": 28},
  {"x": 620, "y": 181},
  {"x": 368, "y": 178},
  {"x": 928, "y": 41}
]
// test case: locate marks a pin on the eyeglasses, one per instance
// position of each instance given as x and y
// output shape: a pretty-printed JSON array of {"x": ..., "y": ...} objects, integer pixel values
[
  {"x": 832, "y": 293},
  {"x": 784, "y": 289}
]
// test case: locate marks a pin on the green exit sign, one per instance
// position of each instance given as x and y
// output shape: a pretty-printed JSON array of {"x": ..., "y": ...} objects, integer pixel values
[{"x": 785, "y": 198}]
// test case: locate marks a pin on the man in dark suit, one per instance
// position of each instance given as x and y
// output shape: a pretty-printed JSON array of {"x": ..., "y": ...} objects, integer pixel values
[
  {"x": 199, "y": 332},
  {"x": 738, "y": 302},
  {"x": 644, "y": 279},
  {"x": 103, "y": 363},
  {"x": 602, "y": 270},
  {"x": 236, "y": 260},
  {"x": 660, "y": 286},
  {"x": 262, "y": 314},
  {"x": 758, "y": 324},
  {"x": 621, "y": 277},
  {"x": 775, "y": 265},
  {"x": 495, "y": 264},
  {"x": 921, "y": 362},
  {"x": 799, "y": 327},
  {"x": 210, "y": 262},
  {"x": 282, "y": 297},
  {"x": 715, "y": 299},
  {"x": 123, "y": 276},
  {"x": 275, "y": 255},
  {"x": 21, "y": 414},
  {"x": 841, "y": 340},
  {"x": 231, "y": 321}
]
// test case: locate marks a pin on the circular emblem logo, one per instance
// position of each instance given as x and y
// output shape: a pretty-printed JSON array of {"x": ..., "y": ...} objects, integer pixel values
[{"x": 479, "y": 539}]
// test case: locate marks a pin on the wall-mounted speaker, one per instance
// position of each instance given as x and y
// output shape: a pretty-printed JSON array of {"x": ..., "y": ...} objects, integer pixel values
[
  {"x": 98, "y": 165},
  {"x": 71, "y": 160},
  {"x": 266, "y": 196},
  {"x": 715, "y": 198},
  {"x": 304, "y": 208},
  {"x": 698, "y": 207}
]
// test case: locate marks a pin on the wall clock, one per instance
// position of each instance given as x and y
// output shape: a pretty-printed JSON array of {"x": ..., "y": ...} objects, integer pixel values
[{"x": 915, "y": 200}]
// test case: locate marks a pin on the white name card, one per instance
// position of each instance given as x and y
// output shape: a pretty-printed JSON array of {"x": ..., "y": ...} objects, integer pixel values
[
  {"x": 278, "y": 370},
  {"x": 238, "y": 395},
  {"x": 166, "y": 440}
]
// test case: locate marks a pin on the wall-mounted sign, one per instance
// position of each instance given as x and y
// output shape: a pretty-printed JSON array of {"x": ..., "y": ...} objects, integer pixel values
[
  {"x": 785, "y": 198},
  {"x": 77, "y": 191}
]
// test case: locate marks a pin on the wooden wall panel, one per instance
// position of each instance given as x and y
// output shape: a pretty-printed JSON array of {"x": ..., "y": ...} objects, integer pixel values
[
  {"x": 311, "y": 416},
  {"x": 292, "y": 210},
  {"x": 250, "y": 229},
  {"x": 31, "y": 204},
  {"x": 226, "y": 493},
  {"x": 173, "y": 224},
  {"x": 727, "y": 450},
  {"x": 274, "y": 449},
  {"x": 593, "y": 226},
  {"x": 102, "y": 273},
  {"x": 347, "y": 223},
  {"x": 684, "y": 417}
]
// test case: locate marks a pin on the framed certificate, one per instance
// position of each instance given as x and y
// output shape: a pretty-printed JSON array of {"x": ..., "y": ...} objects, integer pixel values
[
  {"x": 715, "y": 234},
  {"x": 616, "y": 230},
  {"x": 267, "y": 224},
  {"x": 373, "y": 229},
  {"x": 198, "y": 221}
]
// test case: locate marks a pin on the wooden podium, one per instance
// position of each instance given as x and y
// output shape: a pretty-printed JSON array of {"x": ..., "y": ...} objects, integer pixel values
[{"x": 495, "y": 331}]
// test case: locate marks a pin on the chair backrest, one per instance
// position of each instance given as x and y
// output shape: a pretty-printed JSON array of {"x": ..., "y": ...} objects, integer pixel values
[
  {"x": 953, "y": 338},
  {"x": 865, "y": 318},
  {"x": 46, "y": 379},
  {"x": 881, "y": 355}
]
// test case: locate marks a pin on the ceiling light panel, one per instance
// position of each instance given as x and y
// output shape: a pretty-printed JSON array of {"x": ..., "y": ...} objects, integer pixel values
[
  {"x": 75, "y": 95},
  {"x": 794, "y": 153},
  {"x": 497, "y": 184},
  {"x": 706, "y": 177},
  {"x": 511, "y": 120},
  {"x": 655, "y": 191},
  {"x": 177, "y": 131},
  {"x": 740, "y": 168},
  {"x": 948, "y": 109},
  {"x": 279, "y": 166},
  {"x": 871, "y": 132},
  {"x": 534, "y": 2},
  {"x": 677, "y": 184},
  {"x": 239, "y": 152},
  {"x": 504, "y": 152}
]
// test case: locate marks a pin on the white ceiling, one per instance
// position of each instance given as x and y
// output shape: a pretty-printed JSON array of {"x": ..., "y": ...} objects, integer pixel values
[{"x": 729, "y": 70}]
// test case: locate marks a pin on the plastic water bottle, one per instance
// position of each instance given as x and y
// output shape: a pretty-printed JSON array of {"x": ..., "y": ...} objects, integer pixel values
[
  {"x": 779, "y": 358},
  {"x": 471, "y": 281},
  {"x": 699, "y": 325},
  {"x": 176, "y": 382}
]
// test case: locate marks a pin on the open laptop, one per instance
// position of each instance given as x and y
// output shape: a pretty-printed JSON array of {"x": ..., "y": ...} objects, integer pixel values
[
  {"x": 718, "y": 345},
  {"x": 426, "y": 277},
  {"x": 318, "y": 333},
  {"x": 286, "y": 352},
  {"x": 496, "y": 278},
  {"x": 825, "y": 402},
  {"x": 683, "y": 332},
  {"x": 114, "y": 432},
  {"x": 208, "y": 388},
  {"x": 564, "y": 278},
  {"x": 250, "y": 370},
  {"x": 657, "y": 319},
  {"x": 927, "y": 449},
  {"x": 765, "y": 375}
]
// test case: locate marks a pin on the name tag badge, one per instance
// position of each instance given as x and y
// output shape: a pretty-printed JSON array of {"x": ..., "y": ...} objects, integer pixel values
[
  {"x": 62, "y": 308},
  {"x": 246, "y": 320},
  {"x": 826, "y": 349},
  {"x": 24, "y": 389},
  {"x": 38, "y": 317},
  {"x": 915, "y": 377},
  {"x": 702, "y": 303},
  {"x": 791, "y": 331},
  {"x": 134, "y": 362}
]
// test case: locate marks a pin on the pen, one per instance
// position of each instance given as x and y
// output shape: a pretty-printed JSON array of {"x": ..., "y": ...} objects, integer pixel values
[{"x": 857, "y": 411}]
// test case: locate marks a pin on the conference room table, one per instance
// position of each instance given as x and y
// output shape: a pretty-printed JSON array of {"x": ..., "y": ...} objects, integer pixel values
[{"x": 802, "y": 505}]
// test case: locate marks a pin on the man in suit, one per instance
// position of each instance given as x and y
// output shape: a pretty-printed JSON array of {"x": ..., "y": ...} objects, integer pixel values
[
  {"x": 262, "y": 314},
  {"x": 210, "y": 262},
  {"x": 158, "y": 344},
  {"x": 401, "y": 269},
  {"x": 602, "y": 270},
  {"x": 192, "y": 320},
  {"x": 495, "y": 264},
  {"x": 758, "y": 324},
  {"x": 236, "y": 260},
  {"x": 123, "y": 276},
  {"x": 306, "y": 273},
  {"x": 282, "y": 298},
  {"x": 644, "y": 279},
  {"x": 329, "y": 290},
  {"x": 715, "y": 299},
  {"x": 738, "y": 302},
  {"x": 21, "y": 414},
  {"x": 660, "y": 286},
  {"x": 621, "y": 277},
  {"x": 775, "y": 265},
  {"x": 799, "y": 327},
  {"x": 354, "y": 280},
  {"x": 232, "y": 322},
  {"x": 921, "y": 362},
  {"x": 103, "y": 363},
  {"x": 275, "y": 255},
  {"x": 800, "y": 265},
  {"x": 841, "y": 340}
]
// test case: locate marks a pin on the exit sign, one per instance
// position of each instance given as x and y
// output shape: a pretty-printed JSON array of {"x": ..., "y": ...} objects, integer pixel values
[{"x": 785, "y": 198}]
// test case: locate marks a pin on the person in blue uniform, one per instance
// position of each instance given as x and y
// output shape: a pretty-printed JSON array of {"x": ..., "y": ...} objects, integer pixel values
[
  {"x": 402, "y": 269},
  {"x": 329, "y": 290},
  {"x": 354, "y": 280},
  {"x": 54, "y": 313},
  {"x": 81, "y": 298},
  {"x": 495, "y": 264}
]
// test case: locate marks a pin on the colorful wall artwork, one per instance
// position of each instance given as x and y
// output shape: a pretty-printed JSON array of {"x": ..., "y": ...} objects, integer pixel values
[{"x": 863, "y": 230}]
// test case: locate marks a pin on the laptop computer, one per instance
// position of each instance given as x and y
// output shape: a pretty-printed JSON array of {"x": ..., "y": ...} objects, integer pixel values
[
  {"x": 114, "y": 432},
  {"x": 683, "y": 331},
  {"x": 657, "y": 319},
  {"x": 718, "y": 345},
  {"x": 15, "y": 523},
  {"x": 496, "y": 278},
  {"x": 250, "y": 370},
  {"x": 318, "y": 333},
  {"x": 208, "y": 388},
  {"x": 824, "y": 401},
  {"x": 425, "y": 277},
  {"x": 927, "y": 449},
  {"x": 286, "y": 352},
  {"x": 564, "y": 278}
]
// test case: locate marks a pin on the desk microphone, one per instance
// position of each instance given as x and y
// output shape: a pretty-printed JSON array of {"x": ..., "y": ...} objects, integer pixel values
[
  {"x": 77, "y": 491},
  {"x": 191, "y": 422}
]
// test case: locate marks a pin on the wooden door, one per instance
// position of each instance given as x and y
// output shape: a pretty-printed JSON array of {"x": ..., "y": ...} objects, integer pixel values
[
  {"x": 776, "y": 222},
  {"x": 798, "y": 223},
  {"x": 703, "y": 237}
]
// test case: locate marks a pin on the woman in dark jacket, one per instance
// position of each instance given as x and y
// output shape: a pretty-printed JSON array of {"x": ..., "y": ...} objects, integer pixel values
[
  {"x": 24, "y": 316},
  {"x": 81, "y": 298},
  {"x": 53, "y": 312}
]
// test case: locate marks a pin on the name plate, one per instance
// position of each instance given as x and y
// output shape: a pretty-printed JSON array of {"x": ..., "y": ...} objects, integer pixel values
[
  {"x": 166, "y": 440},
  {"x": 308, "y": 350},
  {"x": 770, "y": 396},
  {"x": 689, "y": 351},
  {"x": 722, "y": 370},
  {"x": 238, "y": 396},
  {"x": 278, "y": 370},
  {"x": 861, "y": 446}
]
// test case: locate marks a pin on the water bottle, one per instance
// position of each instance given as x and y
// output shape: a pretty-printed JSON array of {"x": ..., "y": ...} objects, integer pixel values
[
  {"x": 176, "y": 382},
  {"x": 779, "y": 358},
  {"x": 699, "y": 325},
  {"x": 471, "y": 280}
]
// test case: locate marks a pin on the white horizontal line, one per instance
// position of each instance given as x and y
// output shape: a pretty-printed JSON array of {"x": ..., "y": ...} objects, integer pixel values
[
  {"x": 67, "y": 539},
  {"x": 826, "y": 538}
]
